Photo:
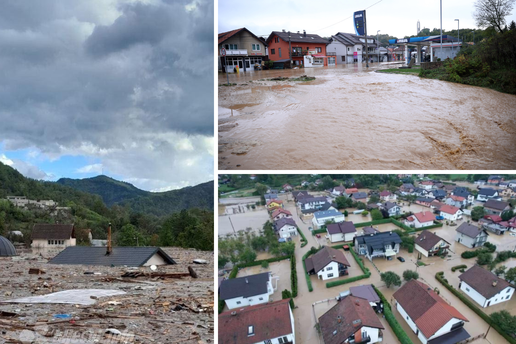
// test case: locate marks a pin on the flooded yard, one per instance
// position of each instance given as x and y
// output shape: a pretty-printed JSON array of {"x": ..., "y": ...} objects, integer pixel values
[
  {"x": 280, "y": 276},
  {"x": 350, "y": 118}
]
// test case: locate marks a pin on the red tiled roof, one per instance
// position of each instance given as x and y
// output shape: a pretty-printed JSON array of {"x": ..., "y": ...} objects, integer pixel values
[
  {"x": 427, "y": 309},
  {"x": 225, "y": 35},
  {"x": 279, "y": 211},
  {"x": 494, "y": 218},
  {"x": 270, "y": 320},
  {"x": 351, "y": 190},
  {"x": 449, "y": 209},
  {"x": 457, "y": 198},
  {"x": 425, "y": 216},
  {"x": 385, "y": 193},
  {"x": 410, "y": 218}
]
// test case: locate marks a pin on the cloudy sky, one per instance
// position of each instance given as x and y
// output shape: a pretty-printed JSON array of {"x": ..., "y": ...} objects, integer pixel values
[
  {"x": 394, "y": 17},
  {"x": 120, "y": 87}
]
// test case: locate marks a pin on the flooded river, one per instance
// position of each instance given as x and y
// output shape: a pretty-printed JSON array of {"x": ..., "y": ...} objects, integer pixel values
[{"x": 350, "y": 118}]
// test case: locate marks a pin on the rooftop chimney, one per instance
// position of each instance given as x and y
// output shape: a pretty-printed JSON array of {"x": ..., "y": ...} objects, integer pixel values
[
  {"x": 339, "y": 319},
  {"x": 246, "y": 281},
  {"x": 304, "y": 33},
  {"x": 495, "y": 283},
  {"x": 109, "y": 247},
  {"x": 283, "y": 30}
]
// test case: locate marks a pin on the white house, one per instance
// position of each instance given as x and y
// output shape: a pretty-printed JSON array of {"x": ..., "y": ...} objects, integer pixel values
[
  {"x": 392, "y": 208},
  {"x": 265, "y": 323},
  {"x": 471, "y": 236},
  {"x": 350, "y": 48},
  {"x": 327, "y": 263},
  {"x": 428, "y": 315},
  {"x": 429, "y": 244},
  {"x": 456, "y": 201},
  {"x": 321, "y": 217},
  {"x": 50, "y": 235},
  {"x": 338, "y": 191},
  {"x": 450, "y": 212},
  {"x": 343, "y": 231},
  {"x": 388, "y": 196},
  {"x": 422, "y": 219},
  {"x": 311, "y": 202},
  {"x": 484, "y": 287},
  {"x": 246, "y": 291},
  {"x": 281, "y": 213},
  {"x": 486, "y": 194},
  {"x": 427, "y": 185},
  {"x": 285, "y": 227},
  {"x": 351, "y": 320}
]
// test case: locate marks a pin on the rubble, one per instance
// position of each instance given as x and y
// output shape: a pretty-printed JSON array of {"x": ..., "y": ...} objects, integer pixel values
[{"x": 152, "y": 307}]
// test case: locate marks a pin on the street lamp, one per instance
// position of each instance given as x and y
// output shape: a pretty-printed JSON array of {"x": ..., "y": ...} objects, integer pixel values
[
  {"x": 378, "y": 45},
  {"x": 458, "y": 34}
]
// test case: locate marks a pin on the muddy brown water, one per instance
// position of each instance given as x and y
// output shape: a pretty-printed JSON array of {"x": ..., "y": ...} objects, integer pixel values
[{"x": 352, "y": 118}]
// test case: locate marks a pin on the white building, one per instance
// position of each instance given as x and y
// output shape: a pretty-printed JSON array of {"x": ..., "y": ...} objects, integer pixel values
[
  {"x": 428, "y": 315},
  {"x": 321, "y": 217},
  {"x": 49, "y": 235},
  {"x": 285, "y": 227},
  {"x": 419, "y": 220},
  {"x": 471, "y": 236},
  {"x": 429, "y": 244},
  {"x": 484, "y": 287},
  {"x": 486, "y": 194},
  {"x": 450, "y": 212},
  {"x": 327, "y": 263},
  {"x": 246, "y": 291},
  {"x": 343, "y": 231}
]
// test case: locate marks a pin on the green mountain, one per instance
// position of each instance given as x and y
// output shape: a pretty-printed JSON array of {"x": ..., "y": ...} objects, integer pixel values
[{"x": 157, "y": 203}]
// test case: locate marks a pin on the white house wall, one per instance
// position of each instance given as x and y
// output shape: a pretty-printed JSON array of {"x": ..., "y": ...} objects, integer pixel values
[
  {"x": 372, "y": 332},
  {"x": 155, "y": 260},
  {"x": 445, "y": 329},
  {"x": 332, "y": 268},
  {"x": 249, "y": 301},
  {"x": 287, "y": 231},
  {"x": 406, "y": 317},
  {"x": 481, "y": 300},
  {"x": 422, "y": 250}
]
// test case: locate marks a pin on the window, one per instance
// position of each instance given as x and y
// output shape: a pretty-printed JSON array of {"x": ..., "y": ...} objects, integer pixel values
[
  {"x": 256, "y": 47},
  {"x": 276, "y": 39},
  {"x": 250, "y": 330},
  {"x": 273, "y": 51},
  {"x": 329, "y": 268},
  {"x": 267, "y": 341},
  {"x": 250, "y": 300},
  {"x": 231, "y": 46},
  {"x": 330, "y": 275},
  {"x": 467, "y": 289},
  {"x": 279, "y": 52},
  {"x": 508, "y": 296},
  {"x": 348, "y": 48},
  {"x": 280, "y": 340},
  {"x": 285, "y": 339},
  {"x": 343, "y": 58},
  {"x": 318, "y": 50},
  {"x": 238, "y": 302},
  {"x": 508, "y": 290},
  {"x": 261, "y": 299}
]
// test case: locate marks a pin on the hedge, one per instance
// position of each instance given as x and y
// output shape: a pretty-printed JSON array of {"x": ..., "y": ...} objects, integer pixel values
[
  {"x": 440, "y": 277},
  {"x": 370, "y": 223},
  {"x": 366, "y": 272},
  {"x": 303, "y": 240},
  {"x": 293, "y": 275},
  {"x": 458, "y": 267},
  {"x": 313, "y": 250},
  {"x": 318, "y": 231},
  {"x": 391, "y": 319}
]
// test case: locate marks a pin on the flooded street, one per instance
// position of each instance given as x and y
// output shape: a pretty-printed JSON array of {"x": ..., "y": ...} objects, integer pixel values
[{"x": 349, "y": 118}]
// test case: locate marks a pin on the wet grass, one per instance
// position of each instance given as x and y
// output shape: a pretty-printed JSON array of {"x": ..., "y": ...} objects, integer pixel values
[
  {"x": 408, "y": 71},
  {"x": 302, "y": 78}
]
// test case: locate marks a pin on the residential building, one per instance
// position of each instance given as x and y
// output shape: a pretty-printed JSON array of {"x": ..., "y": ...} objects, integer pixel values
[
  {"x": 298, "y": 195},
  {"x": 367, "y": 292},
  {"x": 343, "y": 231},
  {"x": 24, "y": 202},
  {"x": 242, "y": 48},
  {"x": 484, "y": 287},
  {"x": 359, "y": 197},
  {"x": 322, "y": 217},
  {"x": 427, "y": 185},
  {"x": 438, "y": 194},
  {"x": 246, "y": 291},
  {"x": 480, "y": 182},
  {"x": 351, "y": 191},
  {"x": 407, "y": 189},
  {"x": 464, "y": 192},
  {"x": 392, "y": 208},
  {"x": 310, "y": 211},
  {"x": 312, "y": 202},
  {"x": 430, "y": 244},
  {"x": 430, "y": 317},
  {"x": 274, "y": 204},
  {"x": 494, "y": 223},
  {"x": 49, "y": 235},
  {"x": 285, "y": 227},
  {"x": 271, "y": 323},
  {"x": 388, "y": 196},
  {"x": 381, "y": 244},
  {"x": 456, "y": 201},
  {"x": 302, "y": 44},
  {"x": 486, "y": 194},
  {"x": 287, "y": 187},
  {"x": 338, "y": 191},
  {"x": 425, "y": 201},
  {"x": 471, "y": 236},
  {"x": 509, "y": 192},
  {"x": 270, "y": 196},
  {"x": 327, "y": 263},
  {"x": 350, "y": 48},
  {"x": 450, "y": 212},
  {"x": 351, "y": 320},
  {"x": 436, "y": 206},
  {"x": 419, "y": 220},
  {"x": 494, "y": 180},
  {"x": 281, "y": 213},
  {"x": 494, "y": 207}
]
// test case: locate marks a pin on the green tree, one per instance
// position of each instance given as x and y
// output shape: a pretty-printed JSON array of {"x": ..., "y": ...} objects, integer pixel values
[
  {"x": 376, "y": 215},
  {"x": 327, "y": 183},
  {"x": 390, "y": 278},
  {"x": 259, "y": 243},
  {"x": 510, "y": 275},
  {"x": 477, "y": 213},
  {"x": 506, "y": 321},
  {"x": 360, "y": 205},
  {"x": 261, "y": 189},
  {"x": 247, "y": 256},
  {"x": 410, "y": 274},
  {"x": 484, "y": 258},
  {"x": 222, "y": 261},
  {"x": 288, "y": 248},
  {"x": 265, "y": 264},
  {"x": 373, "y": 199},
  {"x": 365, "y": 213},
  {"x": 343, "y": 202},
  {"x": 500, "y": 270},
  {"x": 129, "y": 235},
  {"x": 507, "y": 215}
]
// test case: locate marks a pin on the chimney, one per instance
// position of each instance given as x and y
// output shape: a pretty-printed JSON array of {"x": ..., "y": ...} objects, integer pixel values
[
  {"x": 339, "y": 319},
  {"x": 495, "y": 283},
  {"x": 233, "y": 313},
  {"x": 109, "y": 247},
  {"x": 283, "y": 30},
  {"x": 304, "y": 33},
  {"x": 246, "y": 281}
]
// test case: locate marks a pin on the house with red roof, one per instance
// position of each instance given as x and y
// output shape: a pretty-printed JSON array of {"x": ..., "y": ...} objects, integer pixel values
[
  {"x": 495, "y": 224},
  {"x": 456, "y": 201},
  {"x": 427, "y": 185},
  {"x": 265, "y": 323},
  {"x": 484, "y": 287},
  {"x": 242, "y": 48},
  {"x": 351, "y": 191},
  {"x": 422, "y": 219},
  {"x": 280, "y": 213},
  {"x": 430, "y": 244},
  {"x": 451, "y": 213},
  {"x": 274, "y": 204},
  {"x": 430, "y": 317},
  {"x": 388, "y": 196}
]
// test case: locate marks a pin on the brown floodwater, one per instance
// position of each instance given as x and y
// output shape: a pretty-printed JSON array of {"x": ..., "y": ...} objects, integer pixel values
[{"x": 353, "y": 118}]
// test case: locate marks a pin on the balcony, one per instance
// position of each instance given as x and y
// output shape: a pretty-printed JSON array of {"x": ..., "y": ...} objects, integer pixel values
[
  {"x": 236, "y": 52},
  {"x": 298, "y": 53}
]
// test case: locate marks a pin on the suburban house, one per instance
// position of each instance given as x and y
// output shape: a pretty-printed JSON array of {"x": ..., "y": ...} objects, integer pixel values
[
  {"x": 369, "y": 231},
  {"x": 242, "y": 48},
  {"x": 509, "y": 192},
  {"x": 420, "y": 192},
  {"x": 463, "y": 192},
  {"x": 430, "y": 317},
  {"x": 456, "y": 201},
  {"x": 424, "y": 201},
  {"x": 321, "y": 217},
  {"x": 343, "y": 231},
  {"x": 359, "y": 197},
  {"x": 281, "y": 213},
  {"x": 274, "y": 204},
  {"x": 392, "y": 208},
  {"x": 494, "y": 207},
  {"x": 270, "y": 196},
  {"x": 350, "y": 48},
  {"x": 486, "y": 194},
  {"x": 298, "y": 195},
  {"x": 381, "y": 244},
  {"x": 430, "y": 244},
  {"x": 471, "y": 236},
  {"x": 351, "y": 320},
  {"x": 311, "y": 202},
  {"x": 285, "y": 227},
  {"x": 302, "y": 44},
  {"x": 451, "y": 213},
  {"x": 264, "y": 323},
  {"x": 422, "y": 219},
  {"x": 310, "y": 211},
  {"x": 48, "y": 235},
  {"x": 436, "y": 205},
  {"x": 350, "y": 191},
  {"x": 438, "y": 194},
  {"x": 246, "y": 291},
  {"x": 427, "y": 185},
  {"x": 494, "y": 180},
  {"x": 387, "y": 196},
  {"x": 338, "y": 191},
  {"x": 287, "y": 187},
  {"x": 407, "y": 189},
  {"x": 327, "y": 263},
  {"x": 366, "y": 292},
  {"x": 480, "y": 182},
  {"x": 484, "y": 287},
  {"x": 494, "y": 223}
]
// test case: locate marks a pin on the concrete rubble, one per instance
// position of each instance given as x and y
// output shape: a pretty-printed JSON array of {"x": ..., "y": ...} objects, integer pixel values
[{"x": 172, "y": 304}]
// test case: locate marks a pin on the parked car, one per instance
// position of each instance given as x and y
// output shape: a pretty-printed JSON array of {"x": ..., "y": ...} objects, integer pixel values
[
  {"x": 439, "y": 218},
  {"x": 401, "y": 259},
  {"x": 318, "y": 236},
  {"x": 282, "y": 240}
]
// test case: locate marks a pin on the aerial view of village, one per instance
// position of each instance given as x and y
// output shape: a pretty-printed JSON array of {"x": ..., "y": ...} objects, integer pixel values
[
  {"x": 406, "y": 258},
  {"x": 426, "y": 86}
]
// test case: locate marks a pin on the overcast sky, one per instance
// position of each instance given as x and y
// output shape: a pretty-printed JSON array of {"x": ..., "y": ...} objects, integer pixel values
[
  {"x": 114, "y": 86},
  {"x": 394, "y": 17}
]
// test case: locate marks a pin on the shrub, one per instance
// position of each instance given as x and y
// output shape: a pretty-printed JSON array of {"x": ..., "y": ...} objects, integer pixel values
[
  {"x": 410, "y": 248},
  {"x": 490, "y": 247},
  {"x": 304, "y": 242},
  {"x": 469, "y": 254},
  {"x": 409, "y": 274},
  {"x": 484, "y": 258},
  {"x": 347, "y": 280},
  {"x": 293, "y": 275},
  {"x": 458, "y": 267},
  {"x": 265, "y": 264},
  {"x": 365, "y": 213},
  {"x": 390, "y": 278}
]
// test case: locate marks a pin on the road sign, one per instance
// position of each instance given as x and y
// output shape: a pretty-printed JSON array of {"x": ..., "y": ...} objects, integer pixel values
[{"x": 223, "y": 52}]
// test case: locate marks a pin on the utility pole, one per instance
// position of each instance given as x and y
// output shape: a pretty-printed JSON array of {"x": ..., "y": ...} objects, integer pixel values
[
  {"x": 458, "y": 35},
  {"x": 378, "y": 44},
  {"x": 441, "y": 29},
  {"x": 365, "y": 27}
]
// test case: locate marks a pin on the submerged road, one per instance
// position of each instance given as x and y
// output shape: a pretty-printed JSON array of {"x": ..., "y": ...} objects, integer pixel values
[{"x": 352, "y": 118}]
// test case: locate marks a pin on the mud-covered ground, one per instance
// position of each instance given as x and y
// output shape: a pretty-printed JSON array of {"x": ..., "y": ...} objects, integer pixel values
[
  {"x": 349, "y": 118},
  {"x": 153, "y": 310}
]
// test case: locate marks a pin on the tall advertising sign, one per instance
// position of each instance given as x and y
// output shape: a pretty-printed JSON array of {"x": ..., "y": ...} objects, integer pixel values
[{"x": 359, "y": 18}]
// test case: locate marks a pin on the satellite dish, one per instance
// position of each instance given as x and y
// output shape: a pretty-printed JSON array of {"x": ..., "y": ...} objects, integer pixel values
[{"x": 153, "y": 267}]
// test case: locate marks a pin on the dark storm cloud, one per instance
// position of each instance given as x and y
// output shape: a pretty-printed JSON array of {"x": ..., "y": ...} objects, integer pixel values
[{"x": 110, "y": 79}]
